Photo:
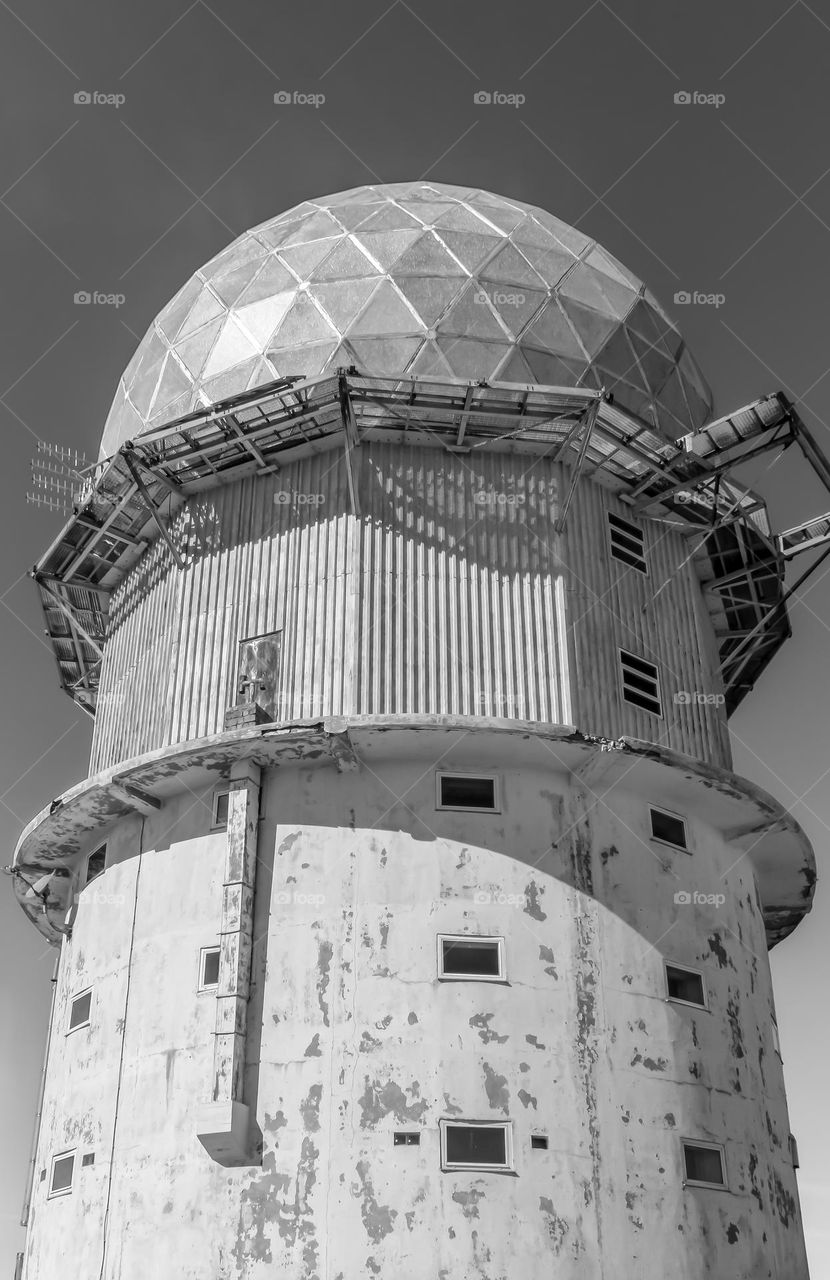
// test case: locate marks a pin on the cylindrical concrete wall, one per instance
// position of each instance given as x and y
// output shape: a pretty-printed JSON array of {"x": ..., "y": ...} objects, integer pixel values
[
  {"x": 352, "y": 1036},
  {"x": 451, "y": 593}
]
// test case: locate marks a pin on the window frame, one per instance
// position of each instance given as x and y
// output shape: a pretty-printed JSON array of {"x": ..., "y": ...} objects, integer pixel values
[
  {"x": 88, "y": 858},
  {"x": 79, "y": 1026},
  {"x": 497, "y": 939},
  {"x": 53, "y": 1193},
  {"x": 668, "y": 813},
  {"x": 454, "y": 1122},
  {"x": 406, "y": 1138},
  {"x": 467, "y": 808},
  {"x": 223, "y": 789},
  {"x": 637, "y": 535},
  {"x": 707, "y": 1146},
  {"x": 622, "y": 654},
  {"x": 686, "y": 968},
  {"x": 203, "y": 952}
]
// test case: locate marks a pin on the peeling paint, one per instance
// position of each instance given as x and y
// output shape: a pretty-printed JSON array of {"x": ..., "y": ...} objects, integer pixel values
[
  {"x": 481, "y": 1021},
  {"x": 468, "y": 1201},
  {"x": 325, "y": 951},
  {"x": 496, "y": 1089},
  {"x": 310, "y": 1108},
  {"x": 532, "y": 907},
  {"x": 378, "y": 1219},
  {"x": 381, "y": 1100},
  {"x": 557, "y": 1227}
]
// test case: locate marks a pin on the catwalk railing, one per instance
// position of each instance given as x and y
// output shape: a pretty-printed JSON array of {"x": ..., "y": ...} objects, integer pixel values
[{"x": 132, "y": 496}]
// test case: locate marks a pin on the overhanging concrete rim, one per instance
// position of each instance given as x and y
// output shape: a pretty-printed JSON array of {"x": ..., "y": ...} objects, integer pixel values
[{"x": 767, "y": 832}]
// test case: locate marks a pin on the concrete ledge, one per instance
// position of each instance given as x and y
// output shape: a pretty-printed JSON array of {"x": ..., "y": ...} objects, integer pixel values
[
  {"x": 223, "y": 1130},
  {"x": 754, "y": 822}
]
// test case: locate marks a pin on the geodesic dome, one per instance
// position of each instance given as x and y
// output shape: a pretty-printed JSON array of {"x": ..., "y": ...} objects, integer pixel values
[{"x": 411, "y": 279}]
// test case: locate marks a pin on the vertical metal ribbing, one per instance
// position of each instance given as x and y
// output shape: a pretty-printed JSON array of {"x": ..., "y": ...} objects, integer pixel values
[{"x": 431, "y": 601}]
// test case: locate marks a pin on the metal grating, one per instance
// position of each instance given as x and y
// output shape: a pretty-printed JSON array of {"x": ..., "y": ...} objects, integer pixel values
[{"x": 134, "y": 494}]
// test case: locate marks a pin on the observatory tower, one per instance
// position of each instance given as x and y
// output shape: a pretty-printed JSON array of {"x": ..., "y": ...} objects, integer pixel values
[{"x": 412, "y": 922}]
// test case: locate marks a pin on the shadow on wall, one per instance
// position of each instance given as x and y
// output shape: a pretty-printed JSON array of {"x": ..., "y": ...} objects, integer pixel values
[{"x": 407, "y": 489}]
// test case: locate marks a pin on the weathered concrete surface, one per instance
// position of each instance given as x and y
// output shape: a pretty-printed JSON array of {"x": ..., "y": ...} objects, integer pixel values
[
  {"x": 351, "y": 1036},
  {"x": 748, "y": 818}
]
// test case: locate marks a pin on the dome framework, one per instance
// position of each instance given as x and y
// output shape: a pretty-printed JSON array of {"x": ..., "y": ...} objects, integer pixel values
[{"x": 422, "y": 280}]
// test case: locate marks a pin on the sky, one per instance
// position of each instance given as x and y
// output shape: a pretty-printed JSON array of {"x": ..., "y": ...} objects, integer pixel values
[{"x": 726, "y": 196}]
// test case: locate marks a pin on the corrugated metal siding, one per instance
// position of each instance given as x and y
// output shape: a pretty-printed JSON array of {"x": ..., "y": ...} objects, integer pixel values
[
  {"x": 451, "y": 594},
  {"x": 659, "y": 617}
]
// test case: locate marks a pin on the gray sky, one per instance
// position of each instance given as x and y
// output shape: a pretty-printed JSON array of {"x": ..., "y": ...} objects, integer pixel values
[{"x": 731, "y": 199}]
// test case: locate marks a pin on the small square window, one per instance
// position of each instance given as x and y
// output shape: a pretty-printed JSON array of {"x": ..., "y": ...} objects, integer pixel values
[
  {"x": 471, "y": 957},
  {"x": 88, "y": 1159},
  {"x": 221, "y": 803},
  {"x": 407, "y": 1140},
  {"x": 209, "y": 968},
  {"x": 704, "y": 1164},
  {"x": 96, "y": 864},
  {"x": 79, "y": 1010},
  {"x": 685, "y": 986},
  {"x": 640, "y": 683},
  {"x": 468, "y": 792},
  {"x": 63, "y": 1170},
  {"x": 475, "y": 1145},
  {"x": 668, "y": 828},
  {"x": 538, "y": 1142}
]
